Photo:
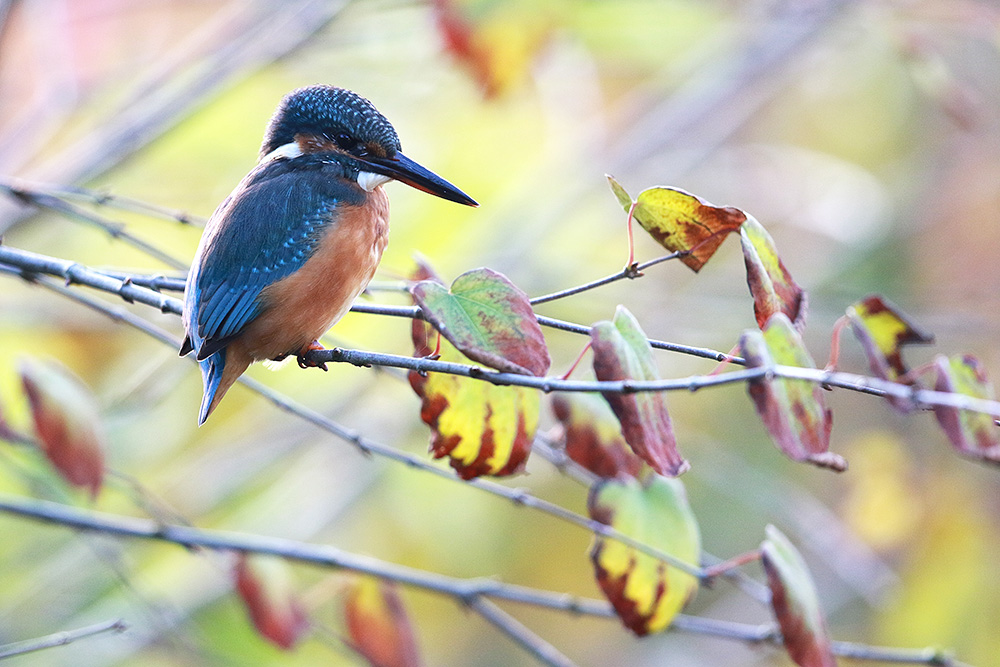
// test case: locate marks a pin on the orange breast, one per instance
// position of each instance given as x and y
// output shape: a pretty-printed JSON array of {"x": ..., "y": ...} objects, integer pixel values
[{"x": 300, "y": 308}]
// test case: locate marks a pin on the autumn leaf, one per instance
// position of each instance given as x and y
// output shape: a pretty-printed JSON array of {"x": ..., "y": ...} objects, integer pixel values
[
  {"x": 497, "y": 47},
  {"x": 771, "y": 285},
  {"x": 793, "y": 411},
  {"x": 483, "y": 428},
  {"x": 378, "y": 626},
  {"x": 67, "y": 423},
  {"x": 681, "y": 221},
  {"x": 971, "y": 433},
  {"x": 488, "y": 319},
  {"x": 795, "y": 602},
  {"x": 593, "y": 436},
  {"x": 622, "y": 352},
  {"x": 882, "y": 329},
  {"x": 646, "y": 593},
  {"x": 264, "y": 583}
]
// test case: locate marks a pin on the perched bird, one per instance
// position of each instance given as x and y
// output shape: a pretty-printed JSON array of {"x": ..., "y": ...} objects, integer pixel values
[{"x": 285, "y": 255}]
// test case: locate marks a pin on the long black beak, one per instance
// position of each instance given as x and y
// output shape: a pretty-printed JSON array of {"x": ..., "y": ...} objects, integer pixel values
[{"x": 405, "y": 170}]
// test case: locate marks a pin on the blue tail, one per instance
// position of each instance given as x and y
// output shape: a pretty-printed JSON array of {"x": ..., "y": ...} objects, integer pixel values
[{"x": 211, "y": 374}]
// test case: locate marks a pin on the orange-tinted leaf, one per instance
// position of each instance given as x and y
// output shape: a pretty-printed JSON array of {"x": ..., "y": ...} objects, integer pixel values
[
  {"x": 974, "y": 434},
  {"x": 66, "y": 422},
  {"x": 378, "y": 625},
  {"x": 794, "y": 411},
  {"x": 795, "y": 602},
  {"x": 882, "y": 330},
  {"x": 681, "y": 221},
  {"x": 488, "y": 319},
  {"x": 645, "y": 592},
  {"x": 265, "y": 585},
  {"x": 593, "y": 436},
  {"x": 622, "y": 352},
  {"x": 483, "y": 428},
  {"x": 771, "y": 285},
  {"x": 498, "y": 47}
]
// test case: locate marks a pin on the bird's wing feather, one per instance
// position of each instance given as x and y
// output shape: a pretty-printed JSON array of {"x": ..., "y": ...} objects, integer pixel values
[{"x": 266, "y": 231}]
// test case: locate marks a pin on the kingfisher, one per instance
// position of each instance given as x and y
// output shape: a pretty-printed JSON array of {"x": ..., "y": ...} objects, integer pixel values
[{"x": 286, "y": 254}]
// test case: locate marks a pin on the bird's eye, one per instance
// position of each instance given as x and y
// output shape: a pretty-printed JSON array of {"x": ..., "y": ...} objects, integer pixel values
[{"x": 345, "y": 141}]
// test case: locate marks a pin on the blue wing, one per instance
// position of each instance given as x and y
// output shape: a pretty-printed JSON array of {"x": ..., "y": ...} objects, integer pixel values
[{"x": 267, "y": 229}]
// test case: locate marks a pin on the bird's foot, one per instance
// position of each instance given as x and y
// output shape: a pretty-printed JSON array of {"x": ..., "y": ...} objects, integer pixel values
[{"x": 306, "y": 363}]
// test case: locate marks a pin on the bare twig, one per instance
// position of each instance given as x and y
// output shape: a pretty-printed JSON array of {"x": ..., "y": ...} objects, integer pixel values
[
  {"x": 545, "y": 652},
  {"x": 628, "y": 272},
  {"x": 60, "y": 638},
  {"x": 26, "y": 264},
  {"x": 464, "y": 590}
]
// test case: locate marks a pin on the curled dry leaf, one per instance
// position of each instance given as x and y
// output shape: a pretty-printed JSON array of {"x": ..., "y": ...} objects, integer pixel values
[
  {"x": 681, "y": 221},
  {"x": 593, "y": 436},
  {"x": 646, "y": 593},
  {"x": 770, "y": 284},
  {"x": 264, "y": 583},
  {"x": 795, "y": 602},
  {"x": 488, "y": 319},
  {"x": 378, "y": 626},
  {"x": 793, "y": 411},
  {"x": 622, "y": 352},
  {"x": 66, "y": 421},
  {"x": 882, "y": 329},
  {"x": 974, "y": 434}
]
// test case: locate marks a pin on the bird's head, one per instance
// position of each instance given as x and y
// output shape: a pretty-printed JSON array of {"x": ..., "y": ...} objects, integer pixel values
[{"x": 326, "y": 119}]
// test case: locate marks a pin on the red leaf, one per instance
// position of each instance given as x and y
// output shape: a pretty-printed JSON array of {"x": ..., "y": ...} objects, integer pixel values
[
  {"x": 770, "y": 284},
  {"x": 971, "y": 433},
  {"x": 265, "y": 585},
  {"x": 593, "y": 436},
  {"x": 488, "y": 319},
  {"x": 622, "y": 352},
  {"x": 795, "y": 602},
  {"x": 66, "y": 422},
  {"x": 794, "y": 411},
  {"x": 378, "y": 625}
]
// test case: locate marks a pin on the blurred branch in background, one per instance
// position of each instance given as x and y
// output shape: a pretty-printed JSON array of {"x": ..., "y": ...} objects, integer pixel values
[
  {"x": 60, "y": 638},
  {"x": 465, "y": 591}
]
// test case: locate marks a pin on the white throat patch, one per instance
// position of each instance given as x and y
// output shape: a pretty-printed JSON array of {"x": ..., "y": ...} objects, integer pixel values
[
  {"x": 369, "y": 180},
  {"x": 289, "y": 150}
]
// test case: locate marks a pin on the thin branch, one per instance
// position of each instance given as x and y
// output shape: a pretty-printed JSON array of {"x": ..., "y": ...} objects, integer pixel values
[
  {"x": 60, "y": 638},
  {"x": 545, "y": 652},
  {"x": 466, "y": 591},
  {"x": 110, "y": 200},
  {"x": 115, "y": 229},
  {"x": 630, "y": 272},
  {"x": 31, "y": 263}
]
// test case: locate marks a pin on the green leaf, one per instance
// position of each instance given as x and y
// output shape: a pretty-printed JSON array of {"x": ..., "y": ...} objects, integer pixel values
[
  {"x": 793, "y": 411},
  {"x": 971, "y": 433},
  {"x": 681, "y": 221},
  {"x": 770, "y": 284},
  {"x": 646, "y": 593},
  {"x": 795, "y": 602},
  {"x": 622, "y": 352},
  {"x": 488, "y": 319}
]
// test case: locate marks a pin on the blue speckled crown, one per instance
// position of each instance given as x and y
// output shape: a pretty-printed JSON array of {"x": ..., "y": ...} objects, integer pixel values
[{"x": 327, "y": 109}]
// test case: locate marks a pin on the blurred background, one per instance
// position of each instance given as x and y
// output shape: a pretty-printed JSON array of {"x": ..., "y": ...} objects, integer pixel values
[{"x": 863, "y": 135}]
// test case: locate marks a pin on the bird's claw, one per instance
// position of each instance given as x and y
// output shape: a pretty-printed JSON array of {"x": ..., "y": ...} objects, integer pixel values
[{"x": 305, "y": 362}]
